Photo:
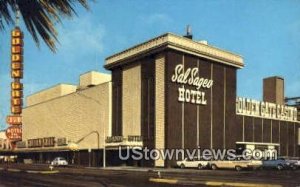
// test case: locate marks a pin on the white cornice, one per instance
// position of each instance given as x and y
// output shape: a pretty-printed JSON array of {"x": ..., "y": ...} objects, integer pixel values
[{"x": 182, "y": 44}]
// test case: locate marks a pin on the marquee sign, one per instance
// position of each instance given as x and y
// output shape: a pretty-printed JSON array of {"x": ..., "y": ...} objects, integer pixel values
[
  {"x": 255, "y": 108},
  {"x": 14, "y": 133},
  {"x": 190, "y": 77},
  {"x": 61, "y": 141},
  {"x": 21, "y": 144},
  {"x": 41, "y": 142},
  {"x": 15, "y": 119},
  {"x": 16, "y": 71}
]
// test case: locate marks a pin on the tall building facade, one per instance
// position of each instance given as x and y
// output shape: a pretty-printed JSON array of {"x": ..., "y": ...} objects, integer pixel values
[{"x": 177, "y": 93}]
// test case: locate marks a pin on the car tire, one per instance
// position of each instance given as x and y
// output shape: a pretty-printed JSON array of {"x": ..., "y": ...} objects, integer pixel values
[
  {"x": 238, "y": 168},
  {"x": 200, "y": 166},
  {"x": 214, "y": 167},
  {"x": 182, "y": 166},
  {"x": 279, "y": 167}
]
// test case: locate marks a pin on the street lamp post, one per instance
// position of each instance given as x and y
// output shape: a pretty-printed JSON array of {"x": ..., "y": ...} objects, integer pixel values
[
  {"x": 98, "y": 146},
  {"x": 104, "y": 150},
  {"x": 74, "y": 147}
]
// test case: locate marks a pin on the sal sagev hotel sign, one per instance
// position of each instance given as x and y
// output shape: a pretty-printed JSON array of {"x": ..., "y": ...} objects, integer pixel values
[{"x": 191, "y": 77}]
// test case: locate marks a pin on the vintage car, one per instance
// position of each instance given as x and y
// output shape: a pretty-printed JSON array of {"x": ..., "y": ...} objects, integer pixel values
[
  {"x": 294, "y": 161},
  {"x": 237, "y": 164},
  {"x": 192, "y": 163},
  {"x": 59, "y": 161},
  {"x": 280, "y": 163}
]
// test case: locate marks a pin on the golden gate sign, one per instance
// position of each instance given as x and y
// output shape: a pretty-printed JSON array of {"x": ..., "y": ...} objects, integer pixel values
[{"x": 15, "y": 119}]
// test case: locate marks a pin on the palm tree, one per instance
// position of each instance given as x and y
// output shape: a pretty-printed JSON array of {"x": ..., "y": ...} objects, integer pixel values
[{"x": 40, "y": 16}]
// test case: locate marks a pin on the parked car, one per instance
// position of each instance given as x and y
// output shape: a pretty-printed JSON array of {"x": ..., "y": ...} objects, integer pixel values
[
  {"x": 237, "y": 164},
  {"x": 280, "y": 163},
  {"x": 192, "y": 163},
  {"x": 294, "y": 162},
  {"x": 59, "y": 161}
]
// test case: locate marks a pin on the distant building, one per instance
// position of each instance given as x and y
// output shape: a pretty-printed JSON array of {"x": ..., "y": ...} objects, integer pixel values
[
  {"x": 4, "y": 143},
  {"x": 273, "y": 90},
  {"x": 294, "y": 102}
]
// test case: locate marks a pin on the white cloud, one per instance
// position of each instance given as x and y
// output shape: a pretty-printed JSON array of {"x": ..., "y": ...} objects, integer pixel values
[
  {"x": 80, "y": 37},
  {"x": 157, "y": 18}
]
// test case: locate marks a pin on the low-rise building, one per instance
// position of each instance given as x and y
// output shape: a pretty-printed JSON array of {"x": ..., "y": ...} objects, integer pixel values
[
  {"x": 4, "y": 143},
  {"x": 68, "y": 120}
]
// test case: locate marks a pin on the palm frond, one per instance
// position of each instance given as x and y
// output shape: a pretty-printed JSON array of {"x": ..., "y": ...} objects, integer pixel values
[{"x": 39, "y": 16}]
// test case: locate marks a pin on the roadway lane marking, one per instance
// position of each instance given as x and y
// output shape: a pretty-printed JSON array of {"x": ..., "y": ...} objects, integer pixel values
[
  {"x": 49, "y": 172},
  {"x": 210, "y": 183},
  {"x": 42, "y": 172},
  {"x": 214, "y": 183},
  {"x": 168, "y": 181},
  {"x": 30, "y": 171},
  {"x": 14, "y": 170}
]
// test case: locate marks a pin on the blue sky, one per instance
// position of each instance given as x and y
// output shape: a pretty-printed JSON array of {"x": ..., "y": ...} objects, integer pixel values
[{"x": 266, "y": 33}]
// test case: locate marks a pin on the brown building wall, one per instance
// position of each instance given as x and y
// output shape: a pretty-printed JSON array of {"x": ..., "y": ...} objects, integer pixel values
[
  {"x": 117, "y": 102},
  {"x": 283, "y": 138},
  {"x": 258, "y": 130},
  {"x": 267, "y": 131},
  {"x": 205, "y": 110},
  {"x": 275, "y": 131},
  {"x": 249, "y": 129},
  {"x": 290, "y": 139},
  {"x": 148, "y": 102},
  {"x": 173, "y": 107},
  {"x": 218, "y": 93},
  {"x": 233, "y": 130},
  {"x": 208, "y": 126},
  {"x": 190, "y": 111}
]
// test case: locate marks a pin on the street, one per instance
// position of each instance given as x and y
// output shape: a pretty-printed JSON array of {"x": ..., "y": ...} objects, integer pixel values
[{"x": 40, "y": 175}]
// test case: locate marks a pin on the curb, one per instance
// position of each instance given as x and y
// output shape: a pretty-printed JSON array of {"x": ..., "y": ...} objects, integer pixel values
[
  {"x": 49, "y": 172},
  {"x": 42, "y": 172},
  {"x": 13, "y": 170},
  {"x": 29, "y": 171},
  {"x": 209, "y": 183}
]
